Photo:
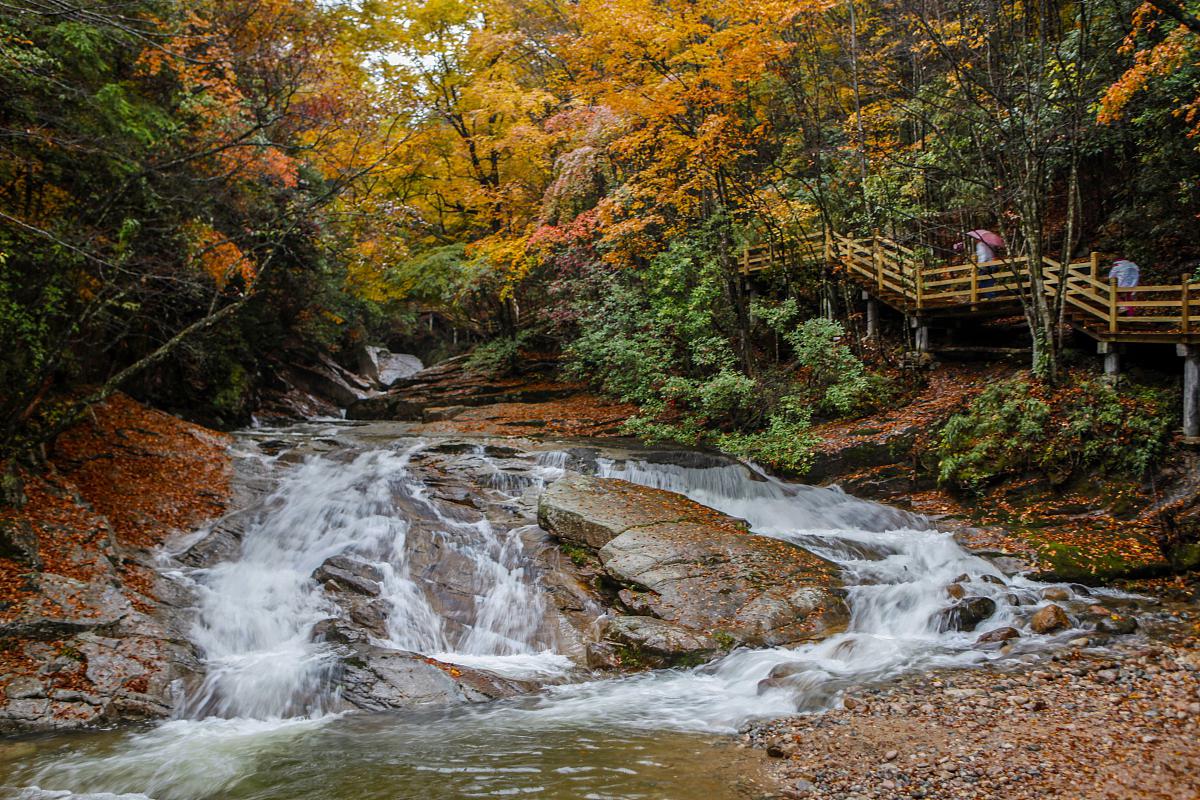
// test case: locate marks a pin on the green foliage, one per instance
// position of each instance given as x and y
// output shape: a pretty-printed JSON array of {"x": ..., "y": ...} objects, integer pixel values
[
  {"x": 836, "y": 381},
  {"x": 786, "y": 443},
  {"x": 1016, "y": 427},
  {"x": 500, "y": 356}
]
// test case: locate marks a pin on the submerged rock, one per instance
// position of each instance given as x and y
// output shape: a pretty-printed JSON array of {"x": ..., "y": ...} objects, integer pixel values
[
  {"x": 1116, "y": 623},
  {"x": 966, "y": 614}
]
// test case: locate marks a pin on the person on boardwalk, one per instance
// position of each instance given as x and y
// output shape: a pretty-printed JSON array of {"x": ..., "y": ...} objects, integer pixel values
[
  {"x": 985, "y": 242},
  {"x": 1127, "y": 275}
]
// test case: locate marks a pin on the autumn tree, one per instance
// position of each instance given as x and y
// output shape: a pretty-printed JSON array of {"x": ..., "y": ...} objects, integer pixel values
[{"x": 156, "y": 176}]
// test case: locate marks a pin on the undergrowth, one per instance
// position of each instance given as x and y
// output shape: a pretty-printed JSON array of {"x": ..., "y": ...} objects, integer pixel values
[{"x": 1018, "y": 427}]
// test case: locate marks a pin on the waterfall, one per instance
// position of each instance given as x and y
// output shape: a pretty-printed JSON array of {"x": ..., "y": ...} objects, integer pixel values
[
  {"x": 257, "y": 611},
  {"x": 254, "y": 723}
]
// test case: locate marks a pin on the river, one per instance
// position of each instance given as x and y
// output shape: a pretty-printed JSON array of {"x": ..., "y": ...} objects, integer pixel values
[{"x": 265, "y": 723}]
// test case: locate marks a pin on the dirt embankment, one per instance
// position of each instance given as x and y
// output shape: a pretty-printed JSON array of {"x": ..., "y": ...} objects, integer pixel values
[{"x": 88, "y": 629}]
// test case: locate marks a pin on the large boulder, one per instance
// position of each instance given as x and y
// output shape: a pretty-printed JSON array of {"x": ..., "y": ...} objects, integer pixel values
[
  {"x": 384, "y": 367},
  {"x": 695, "y": 567},
  {"x": 591, "y": 512}
]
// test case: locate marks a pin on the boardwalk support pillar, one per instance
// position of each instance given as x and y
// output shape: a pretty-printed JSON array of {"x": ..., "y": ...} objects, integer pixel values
[
  {"x": 922, "y": 336},
  {"x": 872, "y": 315},
  {"x": 1191, "y": 389},
  {"x": 1112, "y": 358}
]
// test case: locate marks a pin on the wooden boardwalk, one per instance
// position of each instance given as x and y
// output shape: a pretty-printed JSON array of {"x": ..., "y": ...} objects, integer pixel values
[{"x": 894, "y": 274}]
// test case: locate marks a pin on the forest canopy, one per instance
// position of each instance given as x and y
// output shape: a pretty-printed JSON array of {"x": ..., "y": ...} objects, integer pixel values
[{"x": 190, "y": 189}]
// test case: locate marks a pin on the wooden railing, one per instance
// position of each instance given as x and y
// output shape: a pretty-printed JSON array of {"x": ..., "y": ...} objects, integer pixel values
[
  {"x": 895, "y": 274},
  {"x": 794, "y": 252}
]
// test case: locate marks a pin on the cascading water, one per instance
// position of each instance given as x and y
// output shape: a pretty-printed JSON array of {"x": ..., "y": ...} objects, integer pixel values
[
  {"x": 896, "y": 567},
  {"x": 256, "y": 729},
  {"x": 257, "y": 612}
]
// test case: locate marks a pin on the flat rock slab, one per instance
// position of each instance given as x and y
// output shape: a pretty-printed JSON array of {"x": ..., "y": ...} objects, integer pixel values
[
  {"x": 591, "y": 512},
  {"x": 659, "y": 643},
  {"x": 375, "y": 678},
  {"x": 693, "y": 566}
]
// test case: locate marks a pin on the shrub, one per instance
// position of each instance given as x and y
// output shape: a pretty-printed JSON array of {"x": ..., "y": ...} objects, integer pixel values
[
  {"x": 1016, "y": 427},
  {"x": 787, "y": 443},
  {"x": 500, "y": 356},
  {"x": 837, "y": 382}
]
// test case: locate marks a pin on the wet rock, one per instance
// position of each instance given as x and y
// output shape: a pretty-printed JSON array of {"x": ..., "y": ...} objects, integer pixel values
[
  {"x": 1119, "y": 624},
  {"x": 1049, "y": 619},
  {"x": 649, "y": 642},
  {"x": 348, "y": 574},
  {"x": 374, "y": 678},
  {"x": 956, "y": 591},
  {"x": 19, "y": 543},
  {"x": 966, "y": 614},
  {"x": 371, "y": 615},
  {"x": 992, "y": 579},
  {"x": 65, "y": 606},
  {"x": 222, "y": 543},
  {"x": 1056, "y": 593},
  {"x": 998, "y": 635},
  {"x": 602, "y": 655}
]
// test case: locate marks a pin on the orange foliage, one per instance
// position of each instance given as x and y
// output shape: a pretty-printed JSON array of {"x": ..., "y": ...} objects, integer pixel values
[{"x": 1179, "y": 48}]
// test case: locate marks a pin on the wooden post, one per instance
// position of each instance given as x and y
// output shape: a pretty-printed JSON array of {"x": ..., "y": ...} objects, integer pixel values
[
  {"x": 877, "y": 257},
  {"x": 1185, "y": 310},
  {"x": 746, "y": 260},
  {"x": 974, "y": 281},
  {"x": 1095, "y": 266},
  {"x": 1112, "y": 305},
  {"x": 1191, "y": 389},
  {"x": 920, "y": 281},
  {"x": 828, "y": 246},
  {"x": 922, "y": 335}
]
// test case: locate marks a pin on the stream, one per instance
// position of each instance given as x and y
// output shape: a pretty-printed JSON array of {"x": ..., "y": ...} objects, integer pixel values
[{"x": 464, "y": 588}]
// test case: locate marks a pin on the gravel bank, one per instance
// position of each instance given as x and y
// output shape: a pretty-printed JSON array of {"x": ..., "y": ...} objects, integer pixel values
[{"x": 1118, "y": 723}]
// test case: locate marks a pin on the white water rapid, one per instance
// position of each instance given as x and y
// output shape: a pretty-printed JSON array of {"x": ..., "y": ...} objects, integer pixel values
[{"x": 259, "y": 726}]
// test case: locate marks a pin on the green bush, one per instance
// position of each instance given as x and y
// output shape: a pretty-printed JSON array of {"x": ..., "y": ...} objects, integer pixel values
[
  {"x": 1016, "y": 427},
  {"x": 836, "y": 381},
  {"x": 500, "y": 356},
  {"x": 786, "y": 443}
]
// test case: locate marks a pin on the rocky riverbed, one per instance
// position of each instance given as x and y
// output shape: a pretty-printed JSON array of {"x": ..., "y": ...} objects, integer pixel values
[{"x": 1115, "y": 722}]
